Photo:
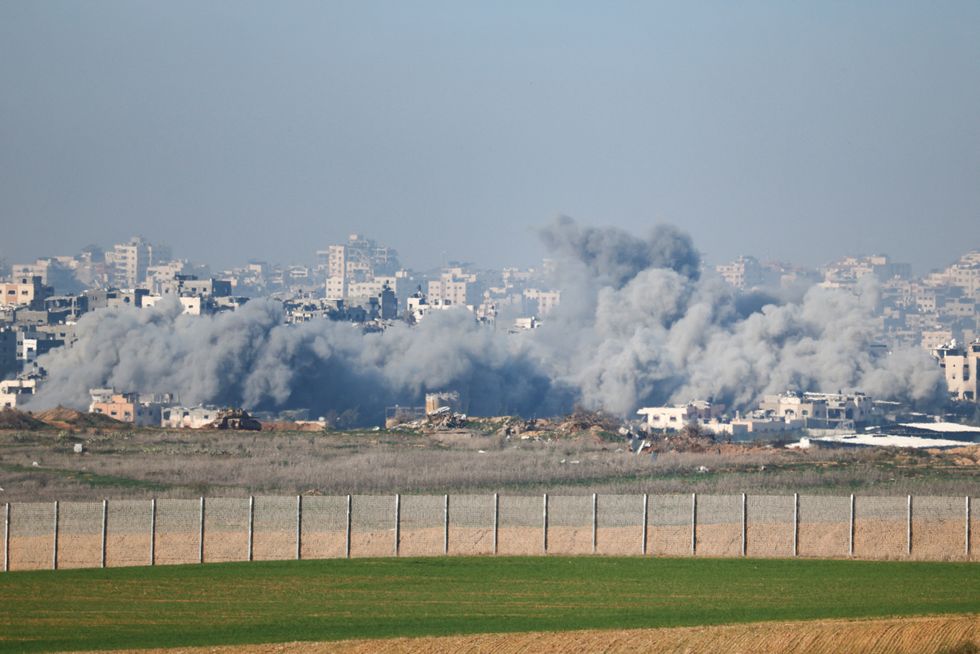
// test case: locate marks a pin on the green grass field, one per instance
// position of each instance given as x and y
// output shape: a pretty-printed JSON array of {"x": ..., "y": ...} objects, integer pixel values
[{"x": 372, "y": 598}]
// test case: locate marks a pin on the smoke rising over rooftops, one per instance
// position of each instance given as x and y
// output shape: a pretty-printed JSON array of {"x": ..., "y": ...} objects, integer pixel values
[{"x": 637, "y": 325}]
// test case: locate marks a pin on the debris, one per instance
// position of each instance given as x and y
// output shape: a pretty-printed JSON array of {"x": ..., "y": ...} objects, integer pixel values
[
  {"x": 446, "y": 419},
  {"x": 79, "y": 448},
  {"x": 594, "y": 422}
]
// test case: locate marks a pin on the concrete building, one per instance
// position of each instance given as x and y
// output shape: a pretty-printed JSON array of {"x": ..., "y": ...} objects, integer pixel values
[
  {"x": 188, "y": 417},
  {"x": 934, "y": 339},
  {"x": 744, "y": 272},
  {"x": 129, "y": 262},
  {"x": 12, "y": 391},
  {"x": 9, "y": 365},
  {"x": 437, "y": 402},
  {"x": 73, "y": 306},
  {"x": 960, "y": 365},
  {"x": 418, "y": 307},
  {"x": 161, "y": 277},
  {"x": 675, "y": 418},
  {"x": 540, "y": 302},
  {"x": 753, "y": 426},
  {"x": 25, "y": 291},
  {"x": 387, "y": 303},
  {"x": 526, "y": 324},
  {"x": 847, "y": 271},
  {"x": 820, "y": 410},
  {"x": 125, "y": 407},
  {"x": 32, "y": 344},
  {"x": 116, "y": 299},
  {"x": 455, "y": 287},
  {"x": 359, "y": 260}
]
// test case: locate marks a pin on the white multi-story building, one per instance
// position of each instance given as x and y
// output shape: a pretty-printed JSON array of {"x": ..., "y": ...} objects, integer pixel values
[
  {"x": 455, "y": 287},
  {"x": 673, "y": 418},
  {"x": 960, "y": 365},
  {"x": 744, "y": 272},
  {"x": 129, "y": 262},
  {"x": 539, "y": 302},
  {"x": 357, "y": 261}
]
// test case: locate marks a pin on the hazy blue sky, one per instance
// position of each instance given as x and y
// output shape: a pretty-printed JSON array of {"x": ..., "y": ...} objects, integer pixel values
[{"x": 236, "y": 130}]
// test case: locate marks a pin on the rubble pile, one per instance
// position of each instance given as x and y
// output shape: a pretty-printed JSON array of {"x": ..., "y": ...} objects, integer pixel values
[
  {"x": 686, "y": 440},
  {"x": 595, "y": 423},
  {"x": 438, "y": 421},
  {"x": 446, "y": 420}
]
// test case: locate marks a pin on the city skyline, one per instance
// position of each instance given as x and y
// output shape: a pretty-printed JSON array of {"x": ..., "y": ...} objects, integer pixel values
[{"x": 446, "y": 258}]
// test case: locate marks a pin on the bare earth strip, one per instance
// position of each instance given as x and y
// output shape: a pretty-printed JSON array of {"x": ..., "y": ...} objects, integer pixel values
[{"x": 890, "y": 636}]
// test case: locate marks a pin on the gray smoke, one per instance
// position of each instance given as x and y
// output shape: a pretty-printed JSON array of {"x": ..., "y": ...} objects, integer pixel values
[
  {"x": 645, "y": 329},
  {"x": 249, "y": 358},
  {"x": 638, "y": 325}
]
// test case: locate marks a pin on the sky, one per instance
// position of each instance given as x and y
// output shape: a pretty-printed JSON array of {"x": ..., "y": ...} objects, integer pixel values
[{"x": 800, "y": 131}]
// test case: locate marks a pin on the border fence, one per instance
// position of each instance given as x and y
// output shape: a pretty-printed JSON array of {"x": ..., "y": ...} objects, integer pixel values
[{"x": 55, "y": 535}]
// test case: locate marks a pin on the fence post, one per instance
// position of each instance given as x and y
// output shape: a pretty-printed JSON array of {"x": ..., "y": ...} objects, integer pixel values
[
  {"x": 299, "y": 527},
  {"x": 908, "y": 529},
  {"x": 54, "y": 554},
  {"x": 153, "y": 531},
  {"x": 967, "y": 526},
  {"x": 105, "y": 525},
  {"x": 595, "y": 519},
  {"x": 850, "y": 539},
  {"x": 251, "y": 527},
  {"x": 200, "y": 536},
  {"x": 496, "y": 520},
  {"x": 347, "y": 536},
  {"x": 398, "y": 522},
  {"x": 643, "y": 539},
  {"x": 6, "y": 537},
  {"x": 745, "y": 517},
  {"x": 544, "y": 540},
  {"x": 445, "y": 525},
  {"x": 694, "y": 524},
  {"x": 796, "y": 524}
]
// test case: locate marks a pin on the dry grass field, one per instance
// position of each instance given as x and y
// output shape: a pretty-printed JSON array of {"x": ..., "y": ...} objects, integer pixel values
[
  {"x": 138, "y": 464},
  {"x": 930, "y": 635}
]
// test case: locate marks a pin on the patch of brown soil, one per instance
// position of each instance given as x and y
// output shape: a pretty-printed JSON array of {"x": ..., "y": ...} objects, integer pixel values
[
  {"x": 285, "y": 425},
  {"x": 18, "y": 420},
  {"x": 969, "y": 455},
  {"x": 919, "y": 635},
  {"x": 65, "y": 418}
]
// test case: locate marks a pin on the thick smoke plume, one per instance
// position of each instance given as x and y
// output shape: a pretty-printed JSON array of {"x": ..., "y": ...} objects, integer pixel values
[{"x": 638, "y": 325}]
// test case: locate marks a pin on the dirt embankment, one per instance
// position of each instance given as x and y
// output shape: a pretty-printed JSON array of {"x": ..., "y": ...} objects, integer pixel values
[{"x": 927, "y": 635}]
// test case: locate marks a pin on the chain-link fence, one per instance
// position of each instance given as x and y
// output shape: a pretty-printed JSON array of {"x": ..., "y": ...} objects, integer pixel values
[{"x": 173, "y": 531}]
